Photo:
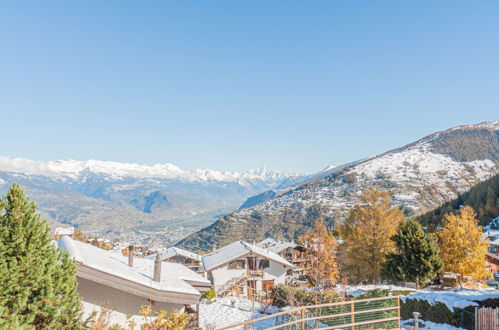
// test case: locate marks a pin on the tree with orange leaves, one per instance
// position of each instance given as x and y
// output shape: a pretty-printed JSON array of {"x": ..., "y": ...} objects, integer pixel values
[{"x": 320, "y": 255}]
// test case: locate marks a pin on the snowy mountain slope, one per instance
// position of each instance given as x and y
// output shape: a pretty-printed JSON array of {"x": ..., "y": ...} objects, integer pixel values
[
  {"x": 420, "y": 176},
  {"x": 104, "y": 197},
  {"x": 284, "y": 188}
]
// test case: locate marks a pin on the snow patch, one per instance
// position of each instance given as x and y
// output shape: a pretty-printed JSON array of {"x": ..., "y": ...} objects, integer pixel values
[
  {"x": 409, "y": 324},
  {"x": 454, "y": 299}
]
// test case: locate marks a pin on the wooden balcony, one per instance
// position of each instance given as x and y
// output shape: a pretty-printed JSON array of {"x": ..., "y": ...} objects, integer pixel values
[{"x": 255, "y": 273}]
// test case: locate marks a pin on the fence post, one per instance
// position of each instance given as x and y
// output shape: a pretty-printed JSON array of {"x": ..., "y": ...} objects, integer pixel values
[
  {"x": 398, "y": 311},
  {"x": 476, "y": 317},
  {"x": 302, "y": 318},
  {"x": 245, "y": 325},
  {"x": 352, "y": 307}
]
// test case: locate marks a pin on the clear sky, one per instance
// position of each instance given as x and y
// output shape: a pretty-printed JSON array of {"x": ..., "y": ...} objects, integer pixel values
[{"x": 233, "y": 85}]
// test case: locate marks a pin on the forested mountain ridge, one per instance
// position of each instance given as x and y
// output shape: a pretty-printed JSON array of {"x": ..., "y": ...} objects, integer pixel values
[
  {"x": 483, "y": 198},
  {"x": 420, "y": 176}
]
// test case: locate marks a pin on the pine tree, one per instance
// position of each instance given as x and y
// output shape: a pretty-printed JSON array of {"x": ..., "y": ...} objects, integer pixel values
[
  {"x": 320, "y": 256},
  {"x": 462, "y": 246},
  {"x": 416, "y": 258},
  {"x": 366, "y": 233},
  {"x": 38, "y": 281}
]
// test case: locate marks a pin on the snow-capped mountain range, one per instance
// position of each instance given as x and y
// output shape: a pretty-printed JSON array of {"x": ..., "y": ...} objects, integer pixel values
[
  {"x": 111, "y": 198},
  {"x": 420, "y": 176},
  {"x": 74, "y": 169}
]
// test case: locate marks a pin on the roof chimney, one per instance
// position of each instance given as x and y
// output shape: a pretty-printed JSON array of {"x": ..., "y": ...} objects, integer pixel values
[
  {"x": 130, "y": 255},
  {"x": 157, "y": 269}
]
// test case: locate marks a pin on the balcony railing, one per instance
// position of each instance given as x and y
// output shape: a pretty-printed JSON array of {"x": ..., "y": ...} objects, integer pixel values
[{"x": 255, "y": 273}]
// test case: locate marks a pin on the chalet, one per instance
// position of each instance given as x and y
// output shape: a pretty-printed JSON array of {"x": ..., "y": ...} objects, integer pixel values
[
  {"x": 124, "y": 284},
  {"x": 253, "y": 268},
  {"x": 189, "y": 259},
  {"x": 492, "y": 256},
  {"x": 292, "y": 252}
]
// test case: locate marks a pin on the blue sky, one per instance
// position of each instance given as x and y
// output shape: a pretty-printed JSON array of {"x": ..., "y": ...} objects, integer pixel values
[{"x": 233, "y": 85}]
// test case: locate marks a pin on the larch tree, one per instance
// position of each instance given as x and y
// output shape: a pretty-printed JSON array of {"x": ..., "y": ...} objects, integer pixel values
[
  {"x": 367, "y": 233},
  {"x": 38, "y": 287},
  {"x": 416, "y": 258},
  {"x": 462, "y": 245},
  {"x": 320, "y": 255}
]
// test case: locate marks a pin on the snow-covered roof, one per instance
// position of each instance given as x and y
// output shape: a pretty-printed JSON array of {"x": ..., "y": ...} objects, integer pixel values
[
  {"x": 175, "y": 251},
  {"x": 64, "y": 231},
  {"x": 276, "y": 245},
  {"x": 494, "y": 242},
  {"x": 174, "y": 277},
  {"x": 238, "y": 249}
]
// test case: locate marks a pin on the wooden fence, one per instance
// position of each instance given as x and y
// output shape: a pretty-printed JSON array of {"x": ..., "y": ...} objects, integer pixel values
[
  {"x": 486, "y": 318},
  {"x": 382, "y": 312}
]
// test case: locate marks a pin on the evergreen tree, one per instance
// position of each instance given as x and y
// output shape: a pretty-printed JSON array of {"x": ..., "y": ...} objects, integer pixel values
[
  {"x": 462, "y": 246},
  {"x": 416, "y": 258},
  {"x": 38, "y": 281},
  {"x": 366, "y": 233}
]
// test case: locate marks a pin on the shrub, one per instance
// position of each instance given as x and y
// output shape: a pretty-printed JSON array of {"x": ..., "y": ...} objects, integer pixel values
[
  {"x": 283, "y": 295},
  {"x": 374, "y": 294},
  {"x": 175, "y": 320},
  {"x": 438, "y": 313},
  {"x": 210, "y": 294}
]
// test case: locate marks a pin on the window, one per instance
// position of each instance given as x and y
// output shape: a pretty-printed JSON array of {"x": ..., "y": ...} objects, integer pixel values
[
  {"x": 238, "y": 264},
  {"x": 264, "y": 263},
  {"x": 267, "y": 285}
]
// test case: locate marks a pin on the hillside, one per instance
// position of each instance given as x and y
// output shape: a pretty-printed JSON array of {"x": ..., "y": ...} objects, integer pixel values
[
  {"x": 110, "y": 199},
  {"x": 420, "y": 176},
  {"x": 483, "y": 198}
]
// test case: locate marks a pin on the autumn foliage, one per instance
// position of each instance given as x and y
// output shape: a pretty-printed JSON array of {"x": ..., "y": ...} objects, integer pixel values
[
  {"x": 320, "y": 255},
  {"x": 367, "y": 233},
  {"x": 462, "y": 247}
]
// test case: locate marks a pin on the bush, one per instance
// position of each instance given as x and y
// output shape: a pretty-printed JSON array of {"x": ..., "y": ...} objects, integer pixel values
[
  {"x": 175, "y": 320},
  {"x": 283, "y": 295},
  {"x": 491, "y": 302},
  {"x": 374, "y": 294},
  {"x": 438, "y": 313},
  {"x": 210, "y": 294}
]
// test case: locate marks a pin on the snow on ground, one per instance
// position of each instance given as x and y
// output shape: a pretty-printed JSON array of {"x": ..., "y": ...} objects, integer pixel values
[
  {"x": 454, "y": 299},
  {"x": 222, "y": 312},
  {"x": 408, "y": 324},
  {"x": 357, "y": 290}
]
